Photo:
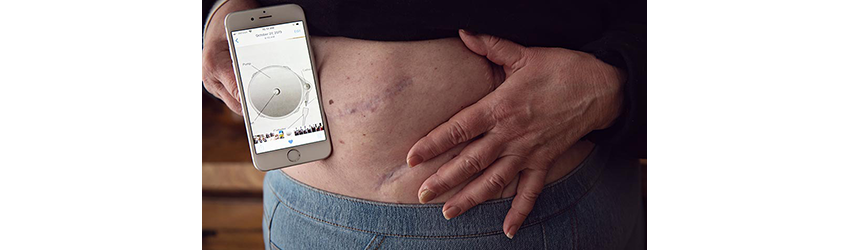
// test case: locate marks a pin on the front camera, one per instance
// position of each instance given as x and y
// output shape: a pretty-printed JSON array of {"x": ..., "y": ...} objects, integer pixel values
[{"x": 252, "y": 19}]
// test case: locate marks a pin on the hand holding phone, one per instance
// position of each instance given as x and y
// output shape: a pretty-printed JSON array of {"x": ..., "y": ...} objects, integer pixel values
[
  {"x": 278, "y": 88},
  {"x": 217, "y": 73}
]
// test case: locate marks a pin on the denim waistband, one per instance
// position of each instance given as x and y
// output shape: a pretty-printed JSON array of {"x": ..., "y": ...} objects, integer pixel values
[{"x": 426, "y": 220}]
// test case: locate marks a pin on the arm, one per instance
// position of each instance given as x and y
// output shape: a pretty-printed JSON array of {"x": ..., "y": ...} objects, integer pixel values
[{"x": 624, "y": 46}]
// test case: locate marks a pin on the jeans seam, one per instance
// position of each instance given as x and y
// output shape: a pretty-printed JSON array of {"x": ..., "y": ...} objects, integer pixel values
[
  {"x": 379, "y": 233},
  {"x": 571, "y": 206},
  {"x": 418, "y": 206},
  {"x": 543, "y": 227},
  {"x": 275, "y": 245},
  {"x": 574, "y": 223},
  {"x": 380, "y": 242},
  {"x": 544, "y": 219},
  {"x": 370, "y": 242},
  {"x": 271, "y": 220}
]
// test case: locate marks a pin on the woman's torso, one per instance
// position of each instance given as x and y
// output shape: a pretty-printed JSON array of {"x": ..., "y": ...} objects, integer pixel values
[{"x": 381, "y": 97}]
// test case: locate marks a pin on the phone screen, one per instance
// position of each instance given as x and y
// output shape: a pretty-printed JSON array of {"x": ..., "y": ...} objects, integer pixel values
[{"x": 279, "y": 90}]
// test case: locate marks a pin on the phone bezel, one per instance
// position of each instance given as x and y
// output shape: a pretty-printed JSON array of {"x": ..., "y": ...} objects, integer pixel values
[{"x": 279, "y": 14}]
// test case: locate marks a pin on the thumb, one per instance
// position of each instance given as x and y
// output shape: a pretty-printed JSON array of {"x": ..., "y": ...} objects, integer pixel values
[{"x": 498, "y": 50}]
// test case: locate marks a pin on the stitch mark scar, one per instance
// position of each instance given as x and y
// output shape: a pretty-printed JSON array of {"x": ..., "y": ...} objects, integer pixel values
[
  {"x": 370, "y": 106},
  {"x": 392, "y": 176}
]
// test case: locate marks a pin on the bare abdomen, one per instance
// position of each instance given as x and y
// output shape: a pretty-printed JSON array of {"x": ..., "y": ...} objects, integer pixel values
[{"x": 380, "y": 98}]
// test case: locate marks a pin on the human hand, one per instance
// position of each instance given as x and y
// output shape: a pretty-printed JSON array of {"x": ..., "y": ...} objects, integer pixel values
[
  {"x": 217, "y": 70},
  {"x": 551, "y": 97}
]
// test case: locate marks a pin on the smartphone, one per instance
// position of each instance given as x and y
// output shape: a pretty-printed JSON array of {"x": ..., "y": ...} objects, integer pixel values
[{"x": 278, "y": 86}]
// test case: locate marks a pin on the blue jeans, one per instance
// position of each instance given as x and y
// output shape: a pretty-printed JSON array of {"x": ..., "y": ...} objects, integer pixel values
[{"x": 597, "y": 206}]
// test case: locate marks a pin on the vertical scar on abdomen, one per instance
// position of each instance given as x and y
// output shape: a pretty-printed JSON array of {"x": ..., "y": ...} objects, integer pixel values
[{"x": 375, "y": 102}]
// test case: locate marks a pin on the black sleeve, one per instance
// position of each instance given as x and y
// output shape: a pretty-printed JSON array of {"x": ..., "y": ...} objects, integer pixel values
[{"x": 623, "y": 45}]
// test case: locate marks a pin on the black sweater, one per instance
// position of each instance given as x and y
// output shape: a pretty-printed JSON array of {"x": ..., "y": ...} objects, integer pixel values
[{"x": 613, "y": 30}]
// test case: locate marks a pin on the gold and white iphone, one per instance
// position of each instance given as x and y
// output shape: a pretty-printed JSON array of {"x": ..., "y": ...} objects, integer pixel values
[{"x": 278, "y": 86}]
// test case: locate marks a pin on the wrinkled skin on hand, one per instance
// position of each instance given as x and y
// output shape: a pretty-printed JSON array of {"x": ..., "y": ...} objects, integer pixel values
[
  {"x": 551, "y": 97},
  {"x": 217, "y": 72}
]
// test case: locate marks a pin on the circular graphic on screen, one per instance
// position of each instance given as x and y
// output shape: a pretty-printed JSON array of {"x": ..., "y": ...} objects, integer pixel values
[{"x": 276, "y": 91}]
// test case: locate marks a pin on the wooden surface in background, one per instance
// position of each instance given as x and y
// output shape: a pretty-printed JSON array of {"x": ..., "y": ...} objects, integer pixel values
[
  {"x": 224, "y": 136},
  {"x": 225, "y": 240},
  {"x": 231, "y": 213},
  {"x": 232, "y": 221},
  {"x": 232, "y": 188},
  {"x": 231, "y": 178}
]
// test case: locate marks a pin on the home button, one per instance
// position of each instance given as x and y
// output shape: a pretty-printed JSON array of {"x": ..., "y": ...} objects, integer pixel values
[{"x": 294, "y": 155}]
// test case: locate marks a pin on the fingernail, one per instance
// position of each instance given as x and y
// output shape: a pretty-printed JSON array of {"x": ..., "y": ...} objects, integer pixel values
[
  {"x": 414, "y": 160},
  {"x": 426, "y": 196},
  {"x": 511, "y": 231},
  {"x": 467, "y": 32},
  {"x": 450, "y": 212}
]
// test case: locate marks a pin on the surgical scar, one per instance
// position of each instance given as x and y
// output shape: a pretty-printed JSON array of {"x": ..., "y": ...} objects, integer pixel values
[
  {"x": 369, "y": 106},
  {"x": 393, "y": 175}
]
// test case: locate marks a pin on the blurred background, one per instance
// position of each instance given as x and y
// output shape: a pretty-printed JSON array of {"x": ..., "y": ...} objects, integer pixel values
[{"x": 232, "y": 187}]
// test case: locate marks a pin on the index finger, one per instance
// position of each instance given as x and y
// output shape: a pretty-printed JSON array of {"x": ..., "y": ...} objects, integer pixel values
[{"x": 463, "y": 126}]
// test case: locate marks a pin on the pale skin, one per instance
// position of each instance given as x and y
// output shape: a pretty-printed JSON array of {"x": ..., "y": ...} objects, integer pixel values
[
  {"x": 551, "y": 97},
  {"x": 572, "y": 93},
  {"x": 217, "y": 72}
]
